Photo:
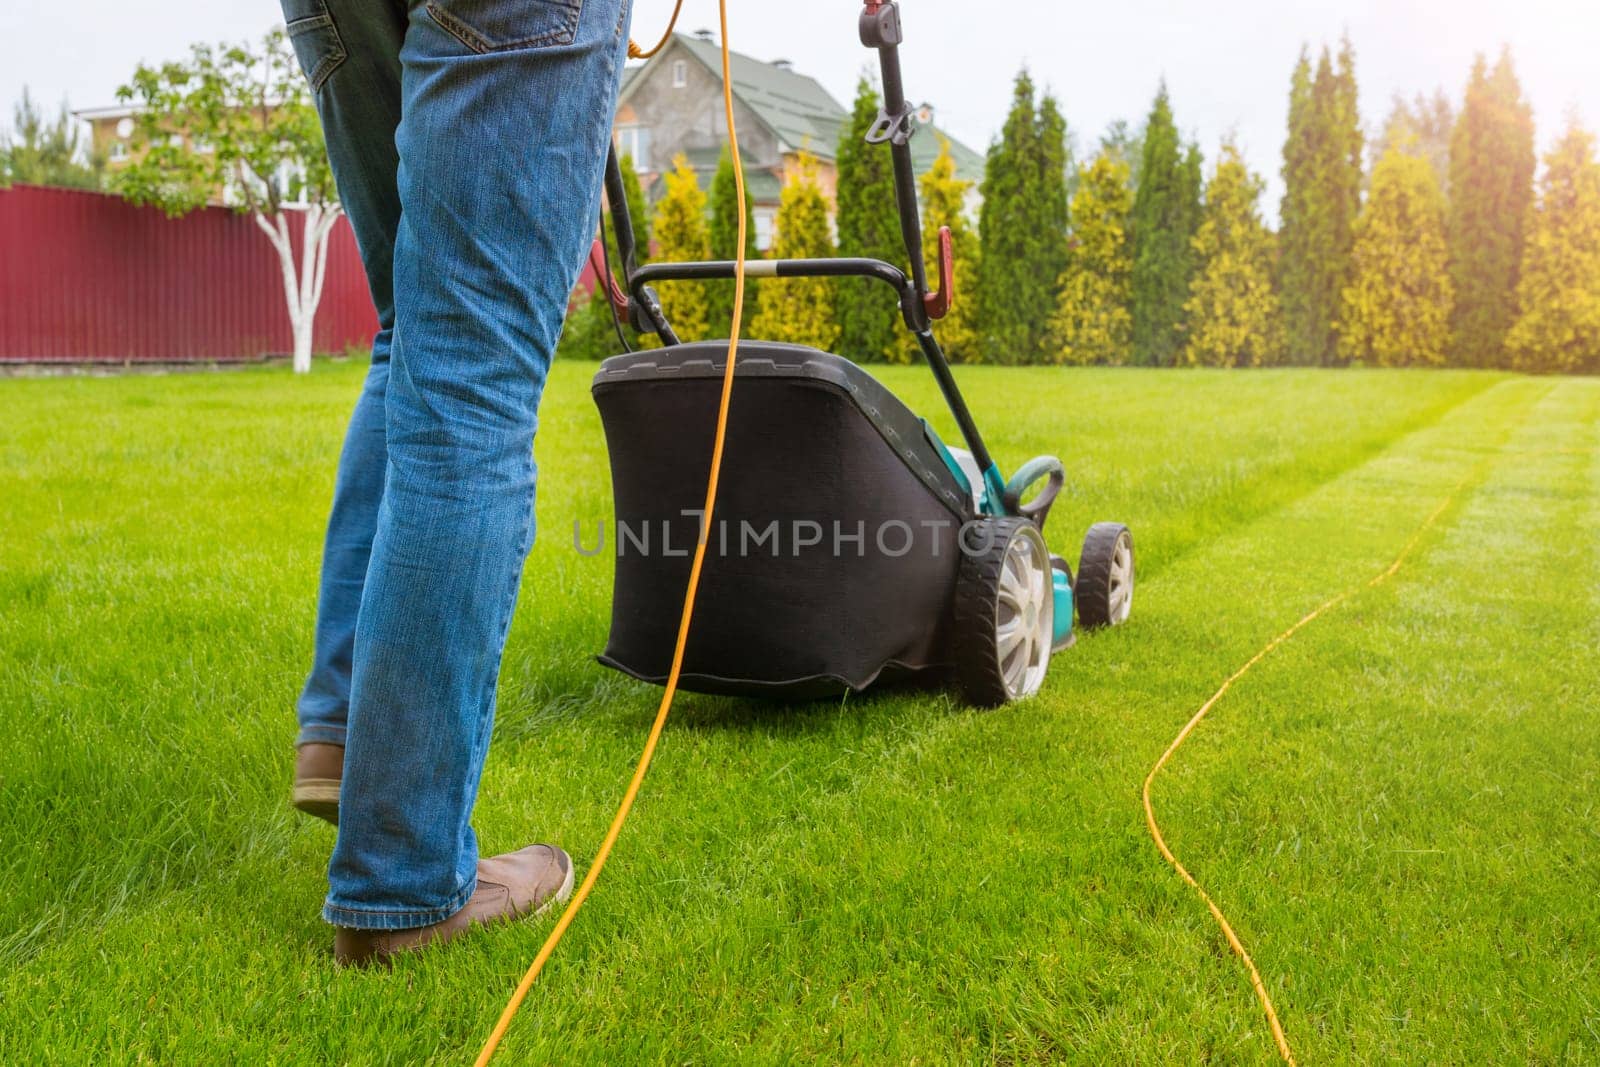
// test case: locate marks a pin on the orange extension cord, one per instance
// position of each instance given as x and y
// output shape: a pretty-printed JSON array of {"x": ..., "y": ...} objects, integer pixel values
[
  {"x": 1149, "y": 809},
  {"x": 671, "y": 689}
]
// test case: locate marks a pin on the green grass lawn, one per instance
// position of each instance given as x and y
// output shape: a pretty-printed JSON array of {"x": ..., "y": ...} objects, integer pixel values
[{"x": 1397, "y": 809}]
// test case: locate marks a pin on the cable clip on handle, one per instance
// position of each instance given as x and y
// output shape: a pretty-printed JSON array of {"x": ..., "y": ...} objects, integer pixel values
[
  {"x": 603, "y": 278},
  {"x": 937, "y": 304}
]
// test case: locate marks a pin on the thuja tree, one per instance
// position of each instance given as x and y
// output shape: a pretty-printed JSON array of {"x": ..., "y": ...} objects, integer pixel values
[
  {"x": 236, "y": 122},
  {"x": 1396, "y": 308},
  {"x": 1093, "y": 322},
  {"x": 1233, "y": 316},
  {"x": 1491, "y": 181},
  {"x": 800, "y": 310},
  {"x": 1558, "y": 294},
  {"x": 1166, "y": 213},
  {"x": 681, "y": 236},
  {"x": 1022, "y": 228},
  {"x": 868, "y": 226}
]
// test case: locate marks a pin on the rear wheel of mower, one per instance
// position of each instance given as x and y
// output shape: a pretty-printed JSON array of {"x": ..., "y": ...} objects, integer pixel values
[
  {"x": 1104, "y": 590},
  {"x": 1003, "y": 621}
]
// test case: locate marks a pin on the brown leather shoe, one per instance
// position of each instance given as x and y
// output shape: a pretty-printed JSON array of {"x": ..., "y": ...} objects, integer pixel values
[
  {"x": 529, "y": 881},
  {"x": 318, "y": 769}
]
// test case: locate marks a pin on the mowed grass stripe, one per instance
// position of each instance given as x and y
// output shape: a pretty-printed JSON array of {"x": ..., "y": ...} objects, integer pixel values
[
  {"x": 1401, "y": 802},
  {"x": 888, "y": 880}
]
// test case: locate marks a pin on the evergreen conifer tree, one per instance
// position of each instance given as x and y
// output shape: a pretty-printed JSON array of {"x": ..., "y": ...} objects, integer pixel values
[
  {"x": 681, "y": 235},
  {"x": 868, "y": 226},
  {"x": 1233, "y": 315},
  {"x": 1008, "y": 285},
  {"x": 1166, "y": 212},
  {"x": 1322, "y": 179},
  {"x": 1051, "y": 207},
  {"x": 1491, "y": 178},
  {"x": 1093, "y": 322},
  {"x": 1558, "y": 293},
  {"x": 1396, "y": 309},
  {"x": 800, "y": 310},
  {"x": 1295, "y": 237}
]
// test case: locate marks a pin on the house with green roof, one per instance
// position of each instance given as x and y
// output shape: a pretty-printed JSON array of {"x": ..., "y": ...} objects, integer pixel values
[{"x": 671, "y": 105}]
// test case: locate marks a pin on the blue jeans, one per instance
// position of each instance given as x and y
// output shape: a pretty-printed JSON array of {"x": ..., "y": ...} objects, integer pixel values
[{"x": 468, "y": 139}]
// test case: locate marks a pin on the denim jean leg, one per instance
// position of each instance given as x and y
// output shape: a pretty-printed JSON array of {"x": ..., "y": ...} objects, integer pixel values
[
  {"x": 350, "y": 52},
  {"x": 506, "y": 116}
]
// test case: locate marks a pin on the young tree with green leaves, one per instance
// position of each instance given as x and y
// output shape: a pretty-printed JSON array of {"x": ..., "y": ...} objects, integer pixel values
[
  {"x": 1232, "y": 310},
  {"x": 868, "y": 226},
  {"x": 1018, "y": 220},
  {"x": 1396, "y": 309},
  {"x": 800, "y": 310},
  {"x": 41, "y": 151},
  {"x": 681, "y": 235},
  {"x": 1491, "y": 181},
  {"x": 238, "y": 119},
  {"x": 1322, "y": 195},
  {"x": 1093, "y": 321},
  {"x": 1166, "y": 213},
  {"x": 725, "y": 242},
  {"x": 944, "y": 203},
  {"x": 1558, "y": 293}
]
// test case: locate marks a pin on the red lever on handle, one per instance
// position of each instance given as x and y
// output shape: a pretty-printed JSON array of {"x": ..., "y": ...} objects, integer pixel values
[
  {"x": 614, "y": 293},
  {"x": 937, "y": 304}
]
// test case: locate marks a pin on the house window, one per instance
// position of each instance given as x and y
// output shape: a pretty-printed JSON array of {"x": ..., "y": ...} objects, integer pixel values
[
  {"x": 680, "y": 74},
  {"x": 634, "y": 142},
  {"x": 119, "y": 150},
  {"x": 765, "y": 218}
]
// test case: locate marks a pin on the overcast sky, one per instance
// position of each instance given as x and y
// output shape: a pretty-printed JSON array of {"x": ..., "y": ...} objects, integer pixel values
[{"x": 1227, "y": 62}]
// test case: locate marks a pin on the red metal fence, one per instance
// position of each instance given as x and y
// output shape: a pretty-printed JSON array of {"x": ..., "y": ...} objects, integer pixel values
[{"x": 89, "y": 277}]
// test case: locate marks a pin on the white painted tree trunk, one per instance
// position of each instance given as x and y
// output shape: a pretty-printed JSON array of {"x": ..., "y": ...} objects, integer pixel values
[{"x": 302, "y": 282}]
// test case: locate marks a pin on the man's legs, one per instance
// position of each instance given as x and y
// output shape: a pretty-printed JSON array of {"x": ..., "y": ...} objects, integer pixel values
[
  {"x": 350, "y": 51},
  {"x": 505, "y": 118}
]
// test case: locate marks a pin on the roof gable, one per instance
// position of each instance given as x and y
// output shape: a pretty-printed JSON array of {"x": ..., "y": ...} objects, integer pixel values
[{"x": 794, "y": 106}]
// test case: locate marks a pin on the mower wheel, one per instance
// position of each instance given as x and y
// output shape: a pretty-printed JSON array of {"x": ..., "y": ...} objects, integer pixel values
[
  {"x": 1104, "y": 590},
  {"x": 1003, "y": 622}
]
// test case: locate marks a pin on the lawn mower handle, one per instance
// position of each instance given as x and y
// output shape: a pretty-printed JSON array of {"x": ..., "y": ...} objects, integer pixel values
[{"x": 879, "y": 28}]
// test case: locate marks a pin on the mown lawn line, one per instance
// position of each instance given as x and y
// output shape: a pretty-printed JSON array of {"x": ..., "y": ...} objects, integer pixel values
[
  {"x": 1429, "y": 446},
  {"x": 1266, "y": 689},
  {"x": 1263, "y": 502}
]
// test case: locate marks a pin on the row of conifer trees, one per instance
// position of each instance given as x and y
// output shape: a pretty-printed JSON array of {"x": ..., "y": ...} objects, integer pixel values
[{"x": 1427, "y": 243}]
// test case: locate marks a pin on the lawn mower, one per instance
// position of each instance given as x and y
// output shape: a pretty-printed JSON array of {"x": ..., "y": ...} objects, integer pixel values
[{"x": 849, "y": 546}]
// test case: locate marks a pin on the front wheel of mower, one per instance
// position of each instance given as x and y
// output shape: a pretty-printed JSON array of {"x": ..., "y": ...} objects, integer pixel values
[
  {"x": 1003, "y": 622},
  {"x": 1104, "y": 591}
]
